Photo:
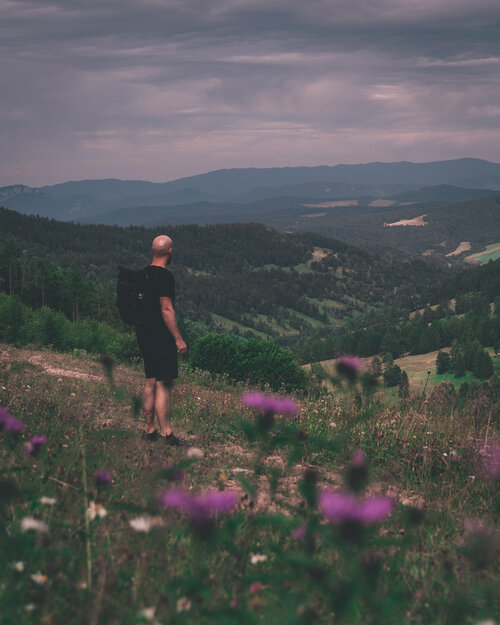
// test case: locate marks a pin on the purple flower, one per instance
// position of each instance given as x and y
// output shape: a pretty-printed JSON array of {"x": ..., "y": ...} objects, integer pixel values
[
  {"x": 102, "y": 477},
  {"x": 299, "y": 532},
  {"x": 200, "y": 507},
  {"x": 492, "y": 461},
  {"x": 255, "y": 588},
  {"x": 476, "y": 528},
  {"x": 345, "y": 507},
  {"x": 34, "y": 445},
  {"x": 270, "y": 403},
  {"x": 358, "y": 458},
  {"x": 9, "y": 424},
  {"x": 349, "y": 366},
  {"x": 480, "y": 542}
]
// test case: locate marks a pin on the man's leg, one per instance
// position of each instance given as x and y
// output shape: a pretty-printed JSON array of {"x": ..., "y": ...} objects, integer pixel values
[
  {"x": 162, "y": 406},
  {"x": 148, "y": 404}
]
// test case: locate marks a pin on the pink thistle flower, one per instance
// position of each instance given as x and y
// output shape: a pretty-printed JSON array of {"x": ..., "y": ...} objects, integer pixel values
[
  {"x": 358, "y": 458},
  {"x": 349, "y": 366},
  {"x": 9, "y": 424},
  {"x": 345, "y": 507},
  {"x": 34, "y": 445},
  {"x": 102, "y": 477},
  {"x": 200, "y": 507},
  {"x": 491, "y": 455},
  {"x": 270, "y": 403},
  {"x": 477, "y": 528},
  {"x": 255, "y": 588},
  {"x": 480, "y": 543},
  {"x": 299, "y": 532}
]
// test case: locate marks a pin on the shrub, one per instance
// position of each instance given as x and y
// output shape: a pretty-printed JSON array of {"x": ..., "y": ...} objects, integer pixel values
[
  {"x": 442, "y": 362},
  {"x": 392, "y": 375},
  {"x": 259, "y": 361}
]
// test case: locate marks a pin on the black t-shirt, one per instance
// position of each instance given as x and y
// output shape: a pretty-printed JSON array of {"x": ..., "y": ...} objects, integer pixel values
[{"x": 162, "y": 284}]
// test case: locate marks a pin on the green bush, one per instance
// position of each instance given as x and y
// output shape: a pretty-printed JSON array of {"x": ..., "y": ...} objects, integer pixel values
[
  {"x": 259, "y": 361},
  {"x": 443, "y": 362},
  {"x": 19, "y": 325},
  {"x": 392, "y": 375}
]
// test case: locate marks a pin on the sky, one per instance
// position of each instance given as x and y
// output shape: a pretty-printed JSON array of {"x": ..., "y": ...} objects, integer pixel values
[{"x": 162, "y": 89}]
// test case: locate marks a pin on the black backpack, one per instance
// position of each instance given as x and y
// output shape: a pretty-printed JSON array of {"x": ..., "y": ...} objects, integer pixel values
[{"x": 133, "y": 294}]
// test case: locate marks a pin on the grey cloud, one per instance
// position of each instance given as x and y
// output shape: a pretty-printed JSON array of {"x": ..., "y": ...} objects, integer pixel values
[{"x": 85, "y": 78}]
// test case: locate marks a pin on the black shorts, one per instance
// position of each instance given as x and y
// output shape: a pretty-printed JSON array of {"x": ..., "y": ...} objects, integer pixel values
[{"x": 159, "y": 352}]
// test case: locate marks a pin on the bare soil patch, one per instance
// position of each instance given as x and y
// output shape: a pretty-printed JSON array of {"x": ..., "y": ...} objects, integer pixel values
[
  {"x": 464, "y": 246},
  {"x": 332, "y": 204},
  {"x": 382, "y": 203},
  {"x": 416, "y": 221},
  {"x": 319, "y": 253}
]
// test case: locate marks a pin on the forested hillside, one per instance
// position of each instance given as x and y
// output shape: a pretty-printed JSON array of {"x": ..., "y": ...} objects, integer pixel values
[
  {"x": 465, "y": 316},
  {"x": 239, "y": 276},
  {"x": 363, "y": 223},
  {"x": 307, "y": 292}
]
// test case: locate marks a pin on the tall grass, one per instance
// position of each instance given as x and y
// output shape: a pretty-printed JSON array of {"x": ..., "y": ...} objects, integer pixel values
[{"x": 127, "y": 552}]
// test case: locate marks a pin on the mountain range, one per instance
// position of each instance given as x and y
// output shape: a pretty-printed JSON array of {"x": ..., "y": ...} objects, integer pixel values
[{"x": 226, "y": 194}]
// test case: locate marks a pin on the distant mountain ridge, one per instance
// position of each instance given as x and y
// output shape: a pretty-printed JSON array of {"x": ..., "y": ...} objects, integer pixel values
[{"x": 88, "y": 200}]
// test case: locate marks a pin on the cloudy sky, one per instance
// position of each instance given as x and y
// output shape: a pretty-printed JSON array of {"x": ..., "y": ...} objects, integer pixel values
[{"x": 160, "y": 89}]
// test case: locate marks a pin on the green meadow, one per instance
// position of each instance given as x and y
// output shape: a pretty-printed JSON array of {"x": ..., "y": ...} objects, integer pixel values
[{"x": 323, "y": 508}]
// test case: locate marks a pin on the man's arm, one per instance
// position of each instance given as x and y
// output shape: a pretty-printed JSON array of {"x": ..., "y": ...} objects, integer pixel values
[{"x": 168, "y": 314}]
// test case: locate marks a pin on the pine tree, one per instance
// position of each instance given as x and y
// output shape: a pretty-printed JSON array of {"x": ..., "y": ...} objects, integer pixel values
[
  {"x": 392, "y": 376},
  {"x": 404, "y": 385},
  {"x": 458, "y": 365},
  {"x": 483, "y": 366},
  {"x": 443, "y": 362}
]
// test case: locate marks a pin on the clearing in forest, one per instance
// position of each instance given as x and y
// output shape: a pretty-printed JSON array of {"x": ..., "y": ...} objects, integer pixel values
[
  {"x": 416, "y": 221},
  {"x": 492, "y": 252},
  {"x": 464, "y": 246}
]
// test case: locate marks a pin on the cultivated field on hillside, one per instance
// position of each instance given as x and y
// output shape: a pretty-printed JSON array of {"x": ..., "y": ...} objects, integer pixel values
[
  {"x": 322, "y": 509},
  {"x": 417, "y": 368},
  {"x": 491, "y": 252}
]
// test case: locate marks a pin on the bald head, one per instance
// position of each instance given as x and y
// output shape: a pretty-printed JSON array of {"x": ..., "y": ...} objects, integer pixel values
[{"x": 162, "y": 245}]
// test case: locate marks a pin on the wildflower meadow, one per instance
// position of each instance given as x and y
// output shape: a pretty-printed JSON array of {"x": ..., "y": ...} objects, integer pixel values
[{"x": 331, "y": 507}]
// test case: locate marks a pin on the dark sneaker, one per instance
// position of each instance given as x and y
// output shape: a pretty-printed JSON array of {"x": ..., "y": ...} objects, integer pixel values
[
  {"x": 172, "y": 440},
  {"x": 146, "y": 436}
]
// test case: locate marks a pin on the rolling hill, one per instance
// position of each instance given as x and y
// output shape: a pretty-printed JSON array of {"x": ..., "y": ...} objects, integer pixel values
[{"x": 229, "y": 191}]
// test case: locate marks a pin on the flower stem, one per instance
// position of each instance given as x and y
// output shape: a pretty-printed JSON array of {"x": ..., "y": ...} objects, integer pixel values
[{"x": 86, "y": 516}]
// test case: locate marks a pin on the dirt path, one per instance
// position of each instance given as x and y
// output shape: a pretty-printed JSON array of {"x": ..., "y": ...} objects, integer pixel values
[
  {"x": 237, "y": 457},
  {"x": 54, "y": 366}
]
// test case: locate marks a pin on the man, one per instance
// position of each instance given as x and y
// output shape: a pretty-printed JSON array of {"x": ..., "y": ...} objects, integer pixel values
[{"x": 159, "y": 342}]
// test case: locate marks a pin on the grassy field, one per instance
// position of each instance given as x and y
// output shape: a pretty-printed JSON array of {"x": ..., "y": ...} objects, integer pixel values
[
  {"x": 224, "y": 322},
  {"x": 417, "y": 368},
  {"x": 491, "y": 252},
  {"x": 413, "y": 543}
]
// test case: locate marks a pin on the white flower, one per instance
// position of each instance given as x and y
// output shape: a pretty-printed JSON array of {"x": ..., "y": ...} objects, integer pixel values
[
  {"x": 141, "y": 524},
  {"x": 30, "y": 607},
  {"x": 18, "y": 566},
  {"x": 183, "y": 604},
  {"x": 30, "y": 523},
  {"x": 255, "y": 558},
  {"x": 48, "y": 501},
  {"x": 195, "y": 452},
  {"x": 95, "y": 509},
  {"x": 487, "y": 622},
  {"x": 149, "y": 615},
  {"x": 38, "y": 578}
]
